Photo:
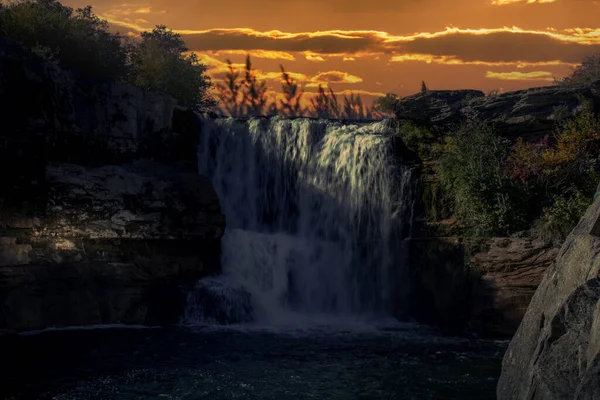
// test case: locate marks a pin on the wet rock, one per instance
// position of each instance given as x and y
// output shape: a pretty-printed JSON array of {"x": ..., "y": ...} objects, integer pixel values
[{"x": 213, "y": 301}]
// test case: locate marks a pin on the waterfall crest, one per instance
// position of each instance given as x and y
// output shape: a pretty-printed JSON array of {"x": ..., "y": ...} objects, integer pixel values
[{"x": 316, "y": 211}]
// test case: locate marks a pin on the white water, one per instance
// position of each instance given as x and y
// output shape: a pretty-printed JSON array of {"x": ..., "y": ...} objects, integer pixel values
[{"x": 316, "y": 213}]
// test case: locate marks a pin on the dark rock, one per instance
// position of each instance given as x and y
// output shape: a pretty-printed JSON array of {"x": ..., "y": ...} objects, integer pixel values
[
  {"x": 532, "y": 113},
  {"x": 214, "y": 301},
  {"x": 478, "y": 284},
  {"x": 510, "y": 271},
  {"x": 555, "y": 352},
  {"x": 529, "y": 113},
  {"x": 101, "y": 209},
  {"x": 435, "y": 107}
]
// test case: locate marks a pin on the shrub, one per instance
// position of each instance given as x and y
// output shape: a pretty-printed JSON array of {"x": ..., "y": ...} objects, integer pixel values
[
  {"x": 561, "y": 216},
  {"x": 75, "y": 39},
  {"x": 162, "y": 62},
  {"x": 584, "y": 74},
  {"x": 472, "y": 171},
  {"x": 419, "y": 139},
  {"x": 387, "y": 104}
]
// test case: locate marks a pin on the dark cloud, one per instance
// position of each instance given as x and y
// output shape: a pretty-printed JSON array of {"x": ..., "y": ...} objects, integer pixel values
[
  {"x": 492, "y": 47},
  {"x": 502, "y": 46}
]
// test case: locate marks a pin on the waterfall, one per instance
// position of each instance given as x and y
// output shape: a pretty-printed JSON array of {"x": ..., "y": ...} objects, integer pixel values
[{"x": 316, "y": 211}]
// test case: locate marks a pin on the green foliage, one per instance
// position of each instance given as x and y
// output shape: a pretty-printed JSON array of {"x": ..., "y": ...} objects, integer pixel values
[
  {"x": 419, "y": 139},
  {"x": 471, "y": 169},
  {"x": 77, "y": 39},
  {"x": 560, "y": 217},
  {"x": 387, "y": 104},
  {"x": 161, "y": 62}
]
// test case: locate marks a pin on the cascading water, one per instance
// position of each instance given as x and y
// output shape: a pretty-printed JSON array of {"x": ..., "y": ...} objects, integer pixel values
[{"x": 316, "y": 211}]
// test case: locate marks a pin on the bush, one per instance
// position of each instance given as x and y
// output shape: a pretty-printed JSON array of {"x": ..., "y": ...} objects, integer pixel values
[
  {"x": 472, "y": 170},
  {"x": 161, "y": 62},
  {"x": 584, "y": 74},
  {"x": 559, "y": 218},
  {"x": 74, "y": 39},
  {"x": 419, "y": 139}
]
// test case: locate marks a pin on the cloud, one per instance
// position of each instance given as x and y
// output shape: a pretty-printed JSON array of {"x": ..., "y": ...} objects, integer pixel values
[
  {"x": 452, "y": 60},
  {"x": 325, "y": 78},
  {"x": 271, "y": 55},
  {"x": 313, "y": 57},
  {"x": 512, "y": 45},
  {"x": 521, "y": 76},
  {"x": 505, "y": 2},
  {"x": 484, "y": 46},
  {"x": 217, "y": 70}
]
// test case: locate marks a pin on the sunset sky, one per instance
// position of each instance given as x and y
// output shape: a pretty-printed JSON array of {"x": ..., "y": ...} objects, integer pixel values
[{"x": 378, "y": 46}]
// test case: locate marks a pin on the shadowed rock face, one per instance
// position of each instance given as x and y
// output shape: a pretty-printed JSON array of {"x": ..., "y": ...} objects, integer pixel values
[
  {"x": 102, "y": 213},
  {"x": 555, "y": 352},
  {"x": 482, "y": 284}
]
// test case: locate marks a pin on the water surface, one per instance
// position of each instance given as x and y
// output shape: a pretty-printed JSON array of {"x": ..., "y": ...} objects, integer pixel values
[{"x": 353, "y": 362}]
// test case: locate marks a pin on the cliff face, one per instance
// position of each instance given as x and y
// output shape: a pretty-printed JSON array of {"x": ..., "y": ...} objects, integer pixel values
[
  {"x": 555, "y": 352},
  {"x": 483, "y": 284},
  {"x": 102, "y": 213}
]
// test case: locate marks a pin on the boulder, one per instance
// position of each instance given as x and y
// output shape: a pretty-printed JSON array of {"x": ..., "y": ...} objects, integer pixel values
[{"x": 555, "y": 352}]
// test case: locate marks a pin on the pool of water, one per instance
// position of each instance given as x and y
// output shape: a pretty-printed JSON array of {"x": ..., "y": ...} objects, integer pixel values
[{"x": 400, "y": 362}]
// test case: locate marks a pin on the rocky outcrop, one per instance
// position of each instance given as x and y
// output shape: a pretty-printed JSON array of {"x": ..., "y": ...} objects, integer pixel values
[
  {"x": 480, "y": 284},
  {"x": 530, "y": 113},
  {"x": 439, "y": 108},
  {"x": 102, "y": 213},
  {"x": 555, "y": 352}
]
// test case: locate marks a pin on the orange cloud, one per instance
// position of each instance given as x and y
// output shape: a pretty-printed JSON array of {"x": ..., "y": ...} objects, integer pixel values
[
  {"x": 313, "y": 57},
  {"x": 450, "y": 60},
  {"x": 505, "y": 2},
  {"x": 324, "y": 78},
  {"x": 272, "y": 55},
  {"x": 521, "y": 76}
]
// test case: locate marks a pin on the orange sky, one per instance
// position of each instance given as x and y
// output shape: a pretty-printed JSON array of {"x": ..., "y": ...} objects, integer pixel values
[{"x": 378, "y": 46}]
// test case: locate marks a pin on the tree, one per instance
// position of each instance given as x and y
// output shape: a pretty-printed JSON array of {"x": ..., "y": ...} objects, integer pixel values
[
  {"x": 76, "y": 40},
  {"x": 387, "y": 104},
  {"x": 162, "y": 62}
]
